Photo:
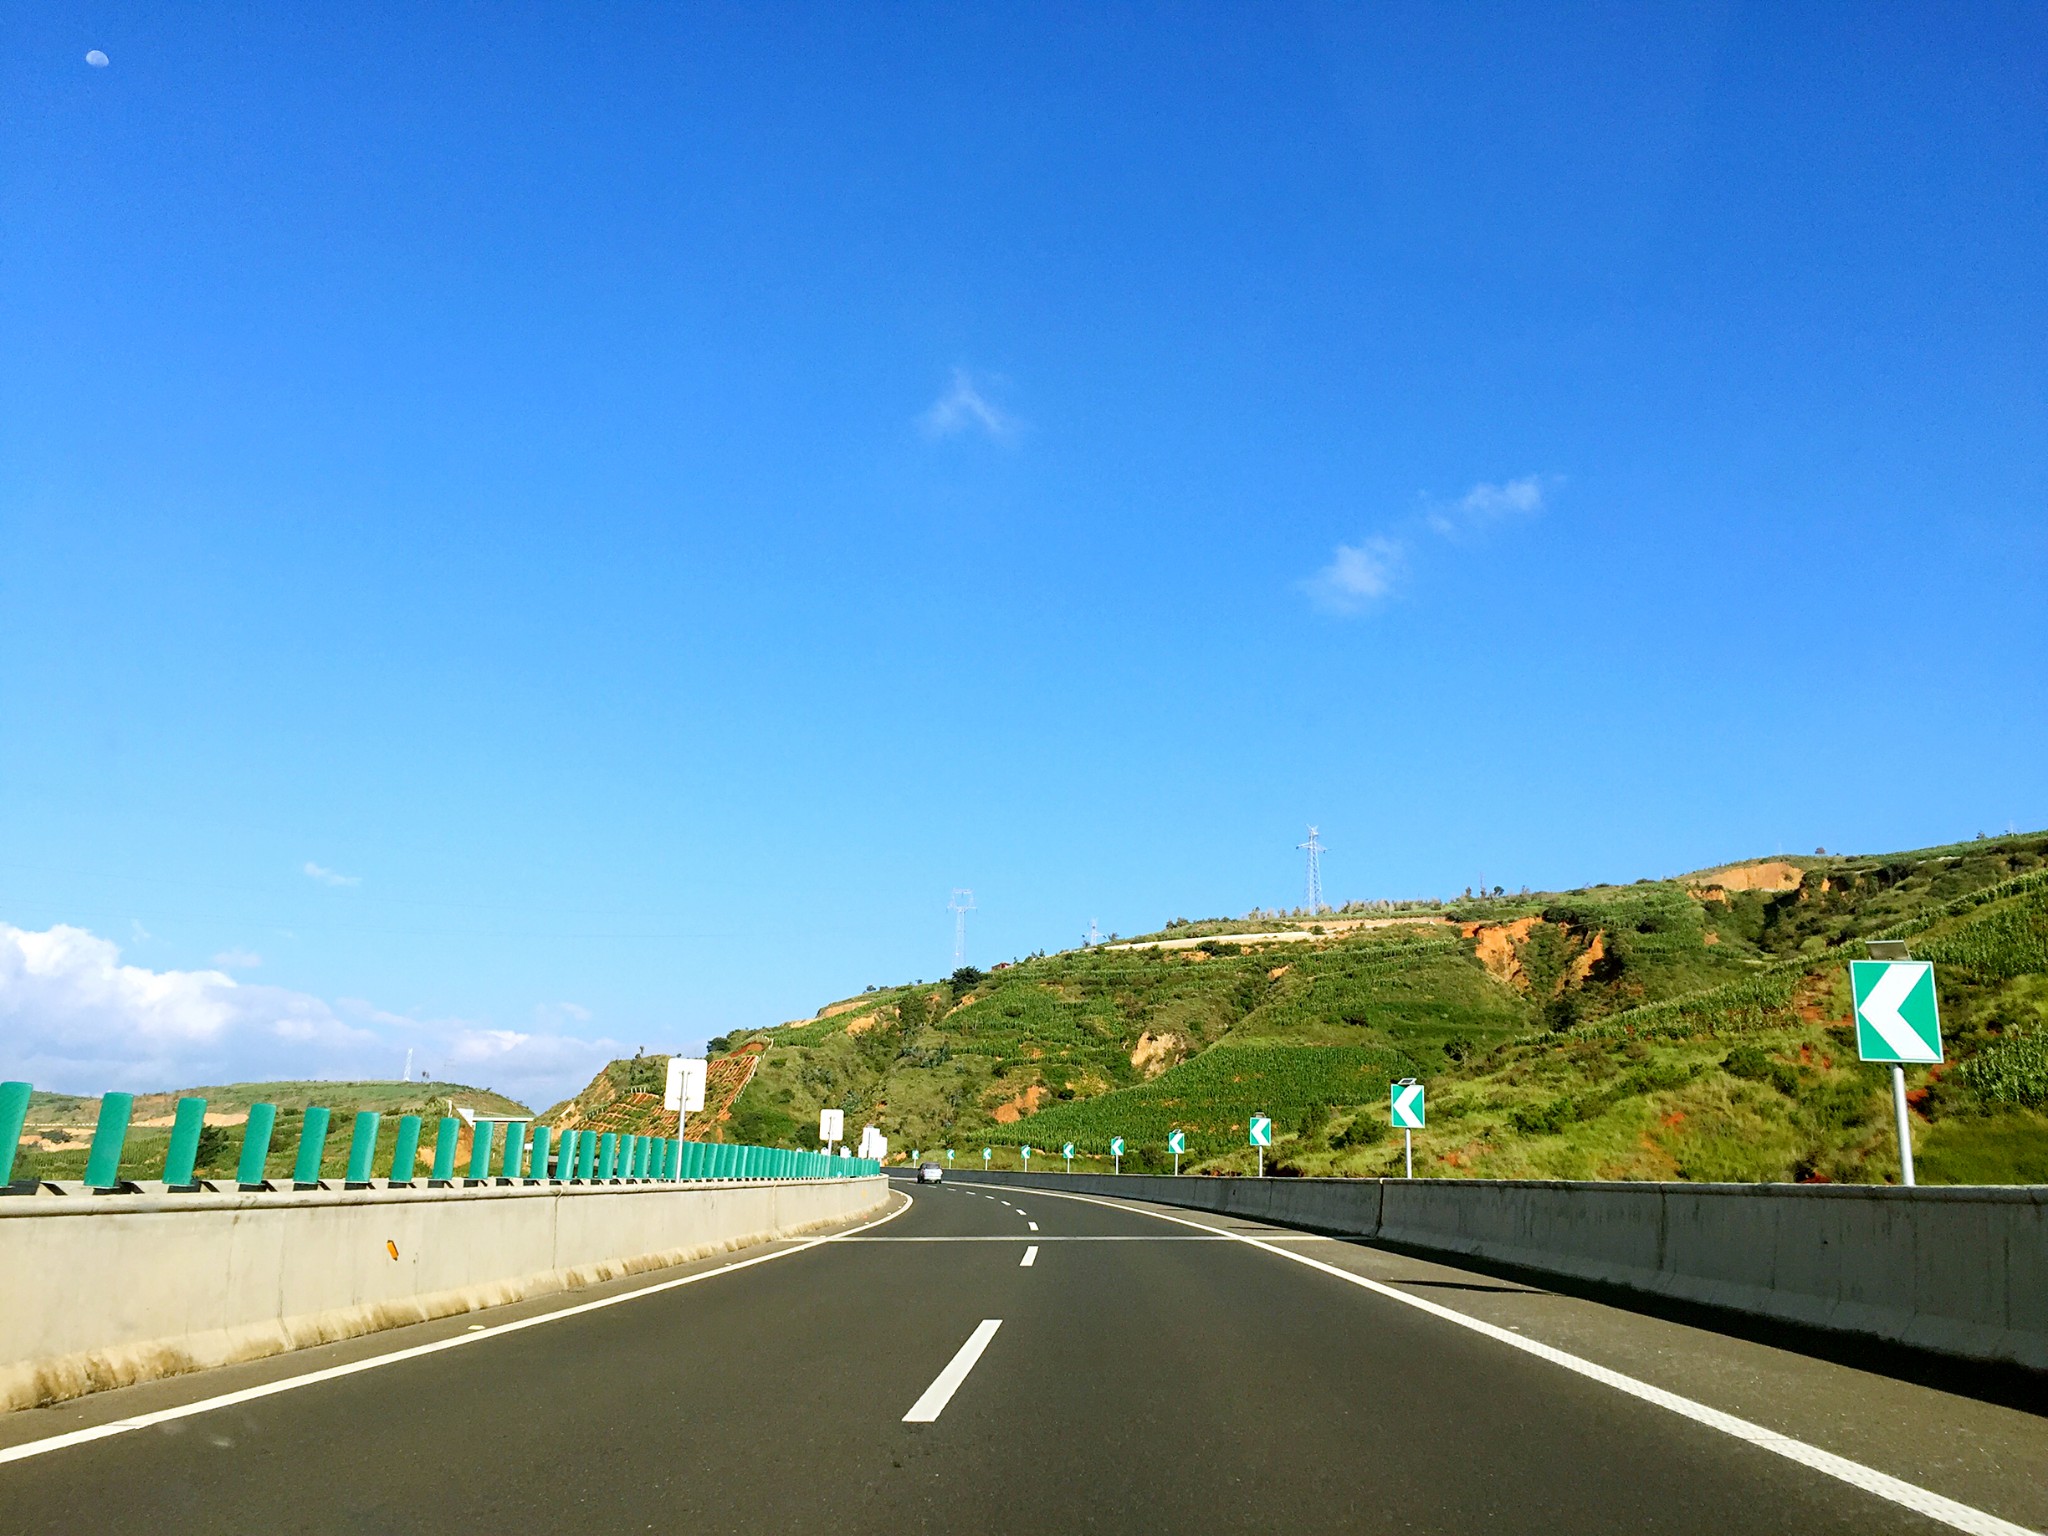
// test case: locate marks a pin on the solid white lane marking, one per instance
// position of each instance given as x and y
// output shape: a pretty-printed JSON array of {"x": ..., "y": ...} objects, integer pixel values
[
  {"x": 940, "y": 1392},
  {"x": 1032, "y": 1225},
  {"x": 1030, "y": 1257},
  {"x": 1922, "y": 1501},
  {"x": 336, "y": 1372}
]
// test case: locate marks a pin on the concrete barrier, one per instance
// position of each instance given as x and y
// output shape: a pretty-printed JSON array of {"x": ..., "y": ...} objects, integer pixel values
[
  {"x": 99, "y": 1291},
  {"x": 1960, "y": 1271}
]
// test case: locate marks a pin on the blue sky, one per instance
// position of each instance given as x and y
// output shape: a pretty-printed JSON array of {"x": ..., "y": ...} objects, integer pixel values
[{"x": 532, "y": 530}]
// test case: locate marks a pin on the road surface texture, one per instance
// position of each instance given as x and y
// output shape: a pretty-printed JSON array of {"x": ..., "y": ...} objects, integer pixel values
[{"x": 1001, "y": 1360}]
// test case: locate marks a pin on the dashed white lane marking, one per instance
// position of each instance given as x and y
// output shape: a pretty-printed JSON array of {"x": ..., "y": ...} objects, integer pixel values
[
  {"x": 1032, "y": 1225},
  {"x": 1030, "y": 1257},
  {"x": 1921, "y": 1501},
  {"x": 940, "y": 1392},
  {"x": 335, "y": 1372}
]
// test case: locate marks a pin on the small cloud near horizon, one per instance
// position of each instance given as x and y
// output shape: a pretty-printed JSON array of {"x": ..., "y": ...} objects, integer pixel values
[
  {"x": 964, "y": 408},
  {"x": 238, "y": 960},
  {"x": 330, "y": 877},
  {"x": 1359, "y": 575}
]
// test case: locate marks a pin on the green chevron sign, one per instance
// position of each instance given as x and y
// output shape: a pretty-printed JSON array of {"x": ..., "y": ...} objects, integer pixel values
[
  {"x": 1116, "y": 1146},
  {"x": 1067, "y": 1151},
  {"x": 1262, "y": 1130},
  {"x": 1177, "y": 1142},
  {"x": 1898, "y": 1018},
  {"x": 1407, "y": 1106}
]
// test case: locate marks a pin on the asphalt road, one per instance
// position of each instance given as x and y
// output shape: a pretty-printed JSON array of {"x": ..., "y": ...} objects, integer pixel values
[{"x": 1144, "y": 1376}]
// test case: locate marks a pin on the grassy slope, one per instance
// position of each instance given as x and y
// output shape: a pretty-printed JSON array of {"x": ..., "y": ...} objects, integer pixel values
[{"x": 1637, "y": 1031}]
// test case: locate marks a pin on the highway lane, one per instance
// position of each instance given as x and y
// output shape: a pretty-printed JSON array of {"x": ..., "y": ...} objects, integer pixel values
[{"x": 1145, "y": 1376}]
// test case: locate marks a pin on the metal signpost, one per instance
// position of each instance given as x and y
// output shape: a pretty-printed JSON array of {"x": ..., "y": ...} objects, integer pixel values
[
  {"x": 1116, "y": 1150},
  {"x": 949, "y": 1157},
  {"x": 986, "y": 1153},
  {"x": 1027, "y": 1157},
  {"x": 1067, "y": 1151},
  {"x": 1176, "y": 1143},
  {"x": 831, "y": 1127},
  {"x": 1898, "y": 1020},
  {"x": 687, "y": 1076},
  {"x": 1407, "y": 1113},
  {"x": 1262, "y": 1138}
]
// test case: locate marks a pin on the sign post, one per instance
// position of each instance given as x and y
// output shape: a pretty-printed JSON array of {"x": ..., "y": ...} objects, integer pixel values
[
  {"x": 1898, "y": 1020},
  {"x": 1116, "y": 1151},
  {"x": 1262, "y": 1138},
  {"x": 831, "y": 1127},
  {"x": 1408, "y": 1113},
  {"x": 1067, "y": 1151},
  {"x": 986, "y": 1153},
  {"x": 1176, "y": 1143},
  {"x": 949, "y": 1157},
  {"x": 1027, "y": 1157},
  {"x": 687, "y": 1076}
]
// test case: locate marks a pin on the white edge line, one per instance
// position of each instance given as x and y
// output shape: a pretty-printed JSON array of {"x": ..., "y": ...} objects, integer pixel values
[
  {"x": 1921, "y": 1501},
  {"x": 30, "y": 1448},
  {"x": 928, "y": 1407},
  {"x": 1030, "y": 1257}
]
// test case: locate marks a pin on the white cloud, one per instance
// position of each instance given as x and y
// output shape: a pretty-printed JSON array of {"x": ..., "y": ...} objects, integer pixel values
[
  {"x": 1358, "y": 576},
  {"x": 238, "y": 960},
  {"x": 964, "y": 408},
  {"x": 329, "y": 877},
  {"x": 75, "y": 1019},
  {"x": 1486, "y": 504}
]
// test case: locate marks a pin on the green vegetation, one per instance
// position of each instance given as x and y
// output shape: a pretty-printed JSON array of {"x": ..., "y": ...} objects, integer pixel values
[{"x": 1695, "y": 1028}]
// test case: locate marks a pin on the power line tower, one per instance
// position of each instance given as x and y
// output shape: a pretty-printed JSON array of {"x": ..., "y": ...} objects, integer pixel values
[
  {"x": 1315, "y": 851},
  {"x": 960, "y": 903},
  {"x": 1094, "y": 936}
]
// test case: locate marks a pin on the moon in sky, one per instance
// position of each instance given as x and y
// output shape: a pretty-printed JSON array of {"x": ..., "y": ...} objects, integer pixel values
[{"x": 96, "y": 59}]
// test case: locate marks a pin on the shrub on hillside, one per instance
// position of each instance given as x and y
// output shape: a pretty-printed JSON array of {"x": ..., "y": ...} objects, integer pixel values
[{"x": 2014, "y": 1071}]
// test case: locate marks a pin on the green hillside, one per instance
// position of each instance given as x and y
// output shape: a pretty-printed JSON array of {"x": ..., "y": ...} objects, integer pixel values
[{"x": 1695, "y": 1028}]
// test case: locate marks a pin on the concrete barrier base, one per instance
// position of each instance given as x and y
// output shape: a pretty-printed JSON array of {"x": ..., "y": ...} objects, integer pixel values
[{"x": 93, "y": 1296}]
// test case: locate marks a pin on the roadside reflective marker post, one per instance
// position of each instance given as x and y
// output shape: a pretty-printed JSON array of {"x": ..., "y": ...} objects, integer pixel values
[
  {"x": 362, "y": 1149},
  {"x": 183, "y": 1157},
  {"x": 256, "y": 1145},
  {"x": 109, "y": 1136},
  {"x": 479, "y": 1150},
  {"x": 1067, "y": 1151},
  {"x": 1405, "y": 1109},
  {"x": 1177, "y": 1143},
  {"x": 1898, "y": 1020},
  {"x": 13, "y": 1113},
  {"x": 444, "y": 1149},
  {"x": 1116, "y": 1150},
  {"x": 312, "y": 1147},
  {"x": 405, "y": 1152},
  {"x": 1262, "y": 1138}
]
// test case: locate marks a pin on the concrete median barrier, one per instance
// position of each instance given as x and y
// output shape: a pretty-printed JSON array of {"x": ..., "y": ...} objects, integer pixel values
[
  {"x": 99, "y": 1291},
  {"x": 1959, "y": 1271}
]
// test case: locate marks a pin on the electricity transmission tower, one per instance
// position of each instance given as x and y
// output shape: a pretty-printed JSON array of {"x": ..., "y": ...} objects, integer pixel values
[
  {"x": 1315, "y": 851},
  {"x": 960, "y": 903}
]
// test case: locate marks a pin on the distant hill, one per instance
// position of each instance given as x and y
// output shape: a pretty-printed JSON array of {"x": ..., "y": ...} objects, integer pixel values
[{"x": 1690, "y": 1028}]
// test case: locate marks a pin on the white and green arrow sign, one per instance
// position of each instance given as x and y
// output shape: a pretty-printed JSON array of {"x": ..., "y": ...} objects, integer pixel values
[
  {"x": 1262, "y": 1130},
  {"x": 1407, "y": 1106},
  {"x": 1177, "y": 1142},
  {"x": 1897, "y": 1017},
  {"x": 1116, "y": 1146},
  {"x": 1067, "y": 1151}
]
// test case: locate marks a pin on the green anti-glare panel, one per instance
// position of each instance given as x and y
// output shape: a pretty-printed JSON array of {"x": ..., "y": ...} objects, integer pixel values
[
  {"x": 188, "y": 1121},
  {"x": 445, "y": 1136},
  {"x": 13, "y": 1112},
  {"x": 405, "y": 1152},
  {"x": 312, "y": 1146},
  {"x": 256, "y": 1133},
  {"x": 480, "y": 1149},
  {"x": 109, "y": 1136},
  {"x": 515, "y": 1147},
  {"x": 586, "y": 1155},
  {"x": 537, "y": 1157},
  {"x": 362, "y": 1146}
]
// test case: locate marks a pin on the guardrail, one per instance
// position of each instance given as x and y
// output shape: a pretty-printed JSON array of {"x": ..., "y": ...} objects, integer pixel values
[
  {"x": 545, "y": 1157},
  {"x": 1960, "y": 1271}
]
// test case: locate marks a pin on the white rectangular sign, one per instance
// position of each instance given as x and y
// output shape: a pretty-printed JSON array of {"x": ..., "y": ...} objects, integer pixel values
[
  {"x": 686, "y": 1076},
  {"x": 831, "y": 1125}
]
